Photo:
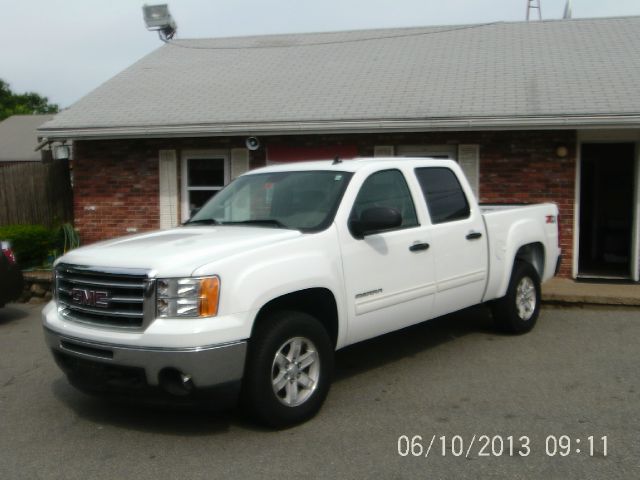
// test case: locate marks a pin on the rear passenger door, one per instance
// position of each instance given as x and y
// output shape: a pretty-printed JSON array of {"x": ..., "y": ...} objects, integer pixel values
[{"x": 458, "y": 240}]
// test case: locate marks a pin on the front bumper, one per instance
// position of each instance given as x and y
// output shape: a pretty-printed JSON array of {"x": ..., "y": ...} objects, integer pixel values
[{"x": 103, "y": 367}]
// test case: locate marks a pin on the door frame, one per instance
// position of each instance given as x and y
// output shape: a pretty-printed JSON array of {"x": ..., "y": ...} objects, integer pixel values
[{"x": 610, "y": 136}]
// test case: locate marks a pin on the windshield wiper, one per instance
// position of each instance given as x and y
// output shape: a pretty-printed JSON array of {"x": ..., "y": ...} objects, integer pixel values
[
  {"x": 202, "y": 221},
  {"x": 263, "y": 221}
]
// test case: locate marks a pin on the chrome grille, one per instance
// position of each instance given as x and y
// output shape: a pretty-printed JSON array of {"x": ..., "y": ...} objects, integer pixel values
[{"x": 120, "y": 298}]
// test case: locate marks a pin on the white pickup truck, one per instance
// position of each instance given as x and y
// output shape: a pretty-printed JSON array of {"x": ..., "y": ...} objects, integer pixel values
[{"x": 287, "y": 264}]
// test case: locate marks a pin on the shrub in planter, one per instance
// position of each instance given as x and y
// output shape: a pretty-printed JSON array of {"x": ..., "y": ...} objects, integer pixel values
[{"x": 31, "y": 243}]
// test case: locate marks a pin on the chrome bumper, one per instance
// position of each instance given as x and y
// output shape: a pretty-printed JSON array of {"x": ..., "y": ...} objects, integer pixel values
[{"x": 207, "y": 366}]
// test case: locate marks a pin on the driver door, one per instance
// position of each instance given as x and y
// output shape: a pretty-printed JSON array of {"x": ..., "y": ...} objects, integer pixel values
[{"x": 389, "y": 275}]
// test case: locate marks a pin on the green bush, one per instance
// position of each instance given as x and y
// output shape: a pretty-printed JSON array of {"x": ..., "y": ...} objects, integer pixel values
[{"x": 32, "y": 244}]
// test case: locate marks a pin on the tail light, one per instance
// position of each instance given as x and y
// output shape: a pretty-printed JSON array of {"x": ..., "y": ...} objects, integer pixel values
[{"x": 7, "y": 252}]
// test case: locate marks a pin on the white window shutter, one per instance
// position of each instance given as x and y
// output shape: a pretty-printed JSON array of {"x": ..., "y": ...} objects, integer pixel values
[
  {"x": 239, "y": 161},
  {"x": 469, "y": 160},
  {"x": 168, "y": 180},
  {"x": 383, "y": 151}
]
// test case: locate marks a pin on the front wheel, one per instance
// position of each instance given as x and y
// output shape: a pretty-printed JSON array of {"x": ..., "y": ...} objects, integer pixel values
[
  {"x": 289, "y": 369},
  {"x": 517, "y": 312}
]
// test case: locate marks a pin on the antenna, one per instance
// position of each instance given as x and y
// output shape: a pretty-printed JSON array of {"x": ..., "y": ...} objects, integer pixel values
[
  {"x": 567, "y": 10},
  {"x": 533, "y": 5}
]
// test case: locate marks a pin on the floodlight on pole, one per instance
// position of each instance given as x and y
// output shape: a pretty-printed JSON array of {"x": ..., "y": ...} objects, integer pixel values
[{"x": 157, "y": 18}]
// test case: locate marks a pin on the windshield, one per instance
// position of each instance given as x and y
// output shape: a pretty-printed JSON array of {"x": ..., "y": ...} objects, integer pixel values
[{"x": 301, "y": 200}]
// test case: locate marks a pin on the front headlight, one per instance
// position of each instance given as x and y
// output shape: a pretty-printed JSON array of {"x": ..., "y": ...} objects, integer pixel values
[{"x": 187, "y": 297}]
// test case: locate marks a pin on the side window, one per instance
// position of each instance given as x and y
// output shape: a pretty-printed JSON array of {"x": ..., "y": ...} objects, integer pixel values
[
  {"x": 387, "y": 188},
  {"x": 445, "y": 198}
]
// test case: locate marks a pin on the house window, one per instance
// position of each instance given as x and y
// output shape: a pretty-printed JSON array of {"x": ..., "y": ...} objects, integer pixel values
[{"x": 203, "y": 175}]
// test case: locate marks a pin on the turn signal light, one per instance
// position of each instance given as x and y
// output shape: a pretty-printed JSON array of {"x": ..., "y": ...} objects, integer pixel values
[{"x": 209, "y": 293}]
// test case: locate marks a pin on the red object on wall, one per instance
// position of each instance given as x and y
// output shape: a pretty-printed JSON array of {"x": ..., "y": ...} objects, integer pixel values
[{"x": 287, "y": 153}]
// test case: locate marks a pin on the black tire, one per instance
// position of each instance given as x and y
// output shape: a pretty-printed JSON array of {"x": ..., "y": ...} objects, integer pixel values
[
  {"x": 280, "y": 332},
  {"x": 517, "y": 312}
]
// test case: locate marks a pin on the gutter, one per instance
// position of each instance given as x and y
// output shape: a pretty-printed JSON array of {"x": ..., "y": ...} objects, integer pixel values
[{"x": 569, "y": 122}]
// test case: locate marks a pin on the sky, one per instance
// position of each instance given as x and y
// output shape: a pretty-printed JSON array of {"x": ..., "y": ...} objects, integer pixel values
[{"x": 63, "y": 49}]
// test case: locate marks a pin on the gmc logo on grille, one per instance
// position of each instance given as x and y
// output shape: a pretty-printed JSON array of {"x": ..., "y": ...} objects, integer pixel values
[{"x": 91, "y": 298}]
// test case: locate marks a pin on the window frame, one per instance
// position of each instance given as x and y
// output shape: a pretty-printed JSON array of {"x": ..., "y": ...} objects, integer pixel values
[
  {"x": 184, "y": 175},
  {"x": 401, "y": 227}
]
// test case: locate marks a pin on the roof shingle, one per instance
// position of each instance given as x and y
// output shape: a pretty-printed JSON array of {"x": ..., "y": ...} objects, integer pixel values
[{"x": 586, "y": 67}]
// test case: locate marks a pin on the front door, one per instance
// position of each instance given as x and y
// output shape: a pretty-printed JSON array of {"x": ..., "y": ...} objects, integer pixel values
[
  {"x": 390, "y": 276},
  {"x": 606, "y": 210}
]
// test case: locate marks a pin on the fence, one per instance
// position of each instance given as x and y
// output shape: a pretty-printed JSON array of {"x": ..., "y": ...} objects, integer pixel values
[{"x": 35, "y": 193}]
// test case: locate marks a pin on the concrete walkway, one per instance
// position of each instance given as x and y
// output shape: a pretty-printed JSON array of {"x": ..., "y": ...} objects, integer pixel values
[{"x": 563, "y": 290}]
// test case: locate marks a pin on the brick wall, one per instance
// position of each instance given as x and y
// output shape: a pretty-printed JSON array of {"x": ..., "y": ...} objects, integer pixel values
[
  {"x": 115, "y": 188},
  {"x": 524, "y": 168},
  {"x": 120, "y": 177},
  {"x": 116, "y": 184}
]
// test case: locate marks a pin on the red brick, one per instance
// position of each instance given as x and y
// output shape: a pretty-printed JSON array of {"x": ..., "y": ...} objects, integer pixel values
[{"x": 120, "y": 177}]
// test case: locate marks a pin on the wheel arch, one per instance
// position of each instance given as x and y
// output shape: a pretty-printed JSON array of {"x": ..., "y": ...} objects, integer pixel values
[
  {"x": 319, "y": 302},
  {"x": 534, "y": 254},
  {"x": 522, "y": 242}
]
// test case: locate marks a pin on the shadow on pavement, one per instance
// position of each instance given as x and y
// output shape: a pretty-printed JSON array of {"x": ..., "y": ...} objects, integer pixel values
[
  {"x": 10, "y": 313},
  {"x": 164, "y": 419},
  {"x": 351, "y": 361},
  {"x": 410, "y": 341}
]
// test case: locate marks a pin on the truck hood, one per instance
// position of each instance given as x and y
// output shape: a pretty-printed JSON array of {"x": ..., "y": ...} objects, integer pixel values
[{"x": 176, "y": 252}]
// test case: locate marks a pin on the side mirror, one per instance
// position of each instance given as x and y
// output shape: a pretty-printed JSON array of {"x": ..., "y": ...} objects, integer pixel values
[{"x": 375, "y": 220}]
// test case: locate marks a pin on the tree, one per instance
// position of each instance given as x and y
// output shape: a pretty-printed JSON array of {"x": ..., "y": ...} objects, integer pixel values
[{"x": 23, "y": 103}]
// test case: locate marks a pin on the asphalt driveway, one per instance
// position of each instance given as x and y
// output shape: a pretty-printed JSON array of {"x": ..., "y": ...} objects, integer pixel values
[{"x": 524, "y": 400}]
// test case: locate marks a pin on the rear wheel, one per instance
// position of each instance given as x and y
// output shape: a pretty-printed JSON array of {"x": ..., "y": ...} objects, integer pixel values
[
  {"x": 518, "y": 310},
  {"x": 289, "y": 369}
]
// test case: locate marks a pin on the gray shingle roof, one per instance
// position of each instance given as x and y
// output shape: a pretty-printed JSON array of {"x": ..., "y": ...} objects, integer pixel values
[
  {"x": 511, "y": 74},
  {"x": 19, "y": 138}
]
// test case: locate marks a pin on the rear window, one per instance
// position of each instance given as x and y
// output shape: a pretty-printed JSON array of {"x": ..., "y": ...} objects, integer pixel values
[{"x": 445, "y": 198}]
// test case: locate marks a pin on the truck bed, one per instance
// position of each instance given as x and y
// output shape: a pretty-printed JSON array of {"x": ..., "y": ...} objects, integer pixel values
[{"x": 509, "y": 225}]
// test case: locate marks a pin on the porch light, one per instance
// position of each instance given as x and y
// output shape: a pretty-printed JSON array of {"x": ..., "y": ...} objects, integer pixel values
[
  {"x": 61, "y": 152},
  {"x": 562, "y": 151},
  {"x": 157, "y": 18}
]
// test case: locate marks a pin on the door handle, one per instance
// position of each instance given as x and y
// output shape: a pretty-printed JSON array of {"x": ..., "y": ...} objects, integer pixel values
[
  {"x": 418, "y": 247},
  {"x": 473, "y": 235}
]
